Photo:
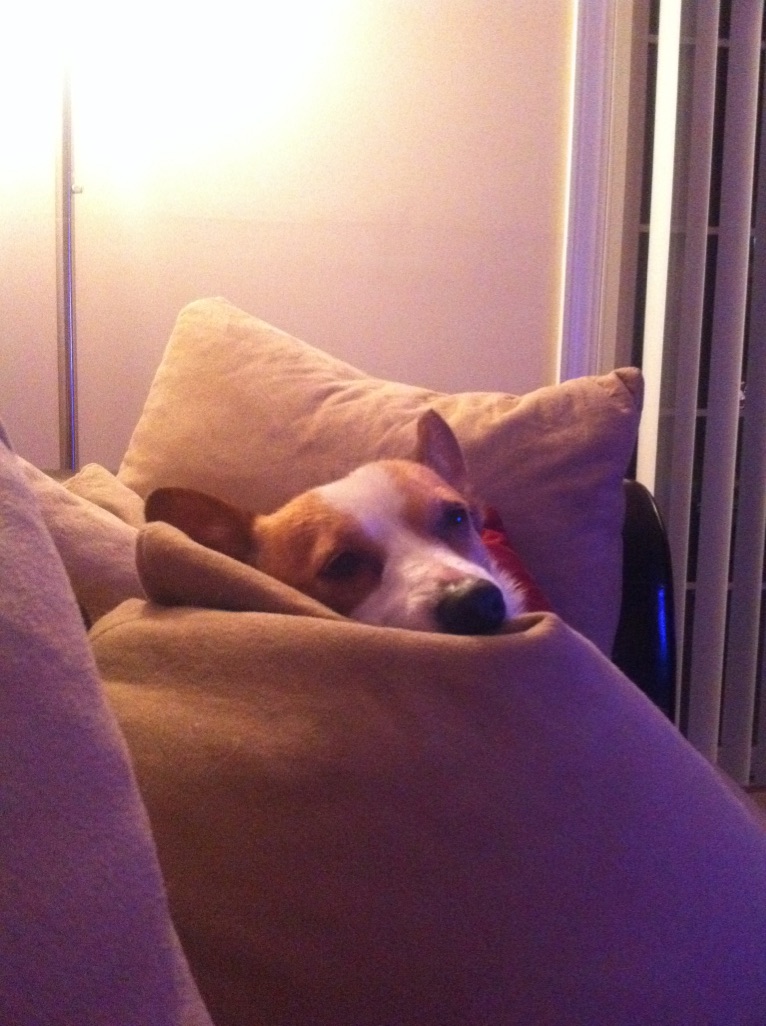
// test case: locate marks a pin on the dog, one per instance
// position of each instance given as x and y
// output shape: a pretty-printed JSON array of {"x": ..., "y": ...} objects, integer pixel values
[{"x": 396, "y": 543}]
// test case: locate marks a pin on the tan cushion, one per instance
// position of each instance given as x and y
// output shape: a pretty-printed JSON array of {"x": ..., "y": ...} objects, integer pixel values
[
  {"x": 86, "y": 936},
  {"x": 99, "y": 486},
  {"x": 96, "y": 540},
  {"x": 363, "y": 826},
  {"x": 249, "y": 413}
]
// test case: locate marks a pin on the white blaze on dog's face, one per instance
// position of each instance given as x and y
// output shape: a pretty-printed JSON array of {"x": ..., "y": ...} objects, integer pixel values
[
  {"x": 421, "y": 555},
  {"x": 392, "y": 544}
]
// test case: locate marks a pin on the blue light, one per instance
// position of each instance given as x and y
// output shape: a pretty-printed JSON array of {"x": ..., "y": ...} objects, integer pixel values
[{"x": 663, "y": 621}]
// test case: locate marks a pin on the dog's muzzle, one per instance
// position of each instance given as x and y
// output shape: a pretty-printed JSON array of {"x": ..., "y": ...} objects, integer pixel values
[{"x": 472, "y": 606}]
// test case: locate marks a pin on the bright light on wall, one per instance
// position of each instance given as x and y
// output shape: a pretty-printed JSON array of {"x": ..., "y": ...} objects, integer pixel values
[
  {"x": 165, "y": 97},
  {"x": 163, "y": 89},
  {"x": 30, "y": 103},
  {"x": 178, "y": 85}
]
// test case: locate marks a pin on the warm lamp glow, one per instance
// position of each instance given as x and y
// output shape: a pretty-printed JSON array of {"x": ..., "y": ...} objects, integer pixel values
[
  {"x": 30, "y": 104},
  {"x": 176, "y": 86}
]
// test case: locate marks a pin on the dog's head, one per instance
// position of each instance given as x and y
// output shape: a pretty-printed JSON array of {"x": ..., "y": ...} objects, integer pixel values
[{"x": 395, "y": 543}]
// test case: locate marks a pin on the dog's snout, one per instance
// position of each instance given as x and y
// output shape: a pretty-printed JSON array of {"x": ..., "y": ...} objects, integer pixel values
[{"x": 472, "y": 606}]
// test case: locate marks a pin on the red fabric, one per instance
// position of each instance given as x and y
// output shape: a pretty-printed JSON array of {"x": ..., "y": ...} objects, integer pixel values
[{"x": 496, "y": 540}]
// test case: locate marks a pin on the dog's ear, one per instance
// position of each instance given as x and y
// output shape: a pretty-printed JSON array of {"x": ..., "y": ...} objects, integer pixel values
[
  {"x": 207, "y": 520},
  {"x": 438, "y": 449}
]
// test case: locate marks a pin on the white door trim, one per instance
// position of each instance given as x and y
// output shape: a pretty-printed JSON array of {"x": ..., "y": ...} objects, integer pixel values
[{"x": 599, "y": 172}]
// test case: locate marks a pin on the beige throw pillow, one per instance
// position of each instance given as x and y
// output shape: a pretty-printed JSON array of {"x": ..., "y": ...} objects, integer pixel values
[{"x": 253, "y": 415}]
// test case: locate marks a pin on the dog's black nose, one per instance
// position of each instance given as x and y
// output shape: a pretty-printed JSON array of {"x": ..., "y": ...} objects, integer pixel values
[{"x": 473, "y": 606}]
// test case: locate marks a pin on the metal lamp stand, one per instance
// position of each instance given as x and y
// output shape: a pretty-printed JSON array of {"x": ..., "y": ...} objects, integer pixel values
[{"x": 67, "y": 330}]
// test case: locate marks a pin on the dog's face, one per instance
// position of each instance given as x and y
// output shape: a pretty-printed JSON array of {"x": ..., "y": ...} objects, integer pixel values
[{"x": 393, "y": 543}]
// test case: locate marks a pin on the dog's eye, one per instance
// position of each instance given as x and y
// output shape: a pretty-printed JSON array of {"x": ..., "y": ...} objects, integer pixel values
[
  {"x": 343, "y": 565},
  {"x": 454, "y": 516}
]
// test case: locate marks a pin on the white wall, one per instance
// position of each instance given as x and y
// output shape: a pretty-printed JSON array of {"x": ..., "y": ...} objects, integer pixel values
[
  {"x": 390, "y": 186},
  {"x": 28, "y": 360}
]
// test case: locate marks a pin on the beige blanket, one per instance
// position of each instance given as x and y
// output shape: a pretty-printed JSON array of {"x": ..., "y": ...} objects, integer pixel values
[
  {"x": 371, "y": 827},
  {"x": 85, "y": 934}
]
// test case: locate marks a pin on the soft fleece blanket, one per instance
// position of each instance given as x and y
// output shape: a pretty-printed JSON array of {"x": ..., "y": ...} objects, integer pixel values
[
  {"x": 85, "y": 934},
  {"x": 374, "y": 827}
]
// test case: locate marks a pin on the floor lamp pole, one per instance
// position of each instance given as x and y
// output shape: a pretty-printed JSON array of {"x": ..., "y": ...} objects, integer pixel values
[{"x": 67, "y": 330}]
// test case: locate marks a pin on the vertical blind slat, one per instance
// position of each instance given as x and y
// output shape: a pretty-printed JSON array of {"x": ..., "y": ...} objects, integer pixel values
[
  {"x": 663, "y": 158},
  {"x": 718, "y": 476},
  {"x": 750, "y": 525},
  {"x": 692, "y": 292},
  {"x": 758, "y": 762}
]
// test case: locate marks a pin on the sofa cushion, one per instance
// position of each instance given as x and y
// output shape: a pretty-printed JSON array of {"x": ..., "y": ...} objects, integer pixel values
[
  {"x": 247, "y": 412},
  {"x": 85, "y": 934}
]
